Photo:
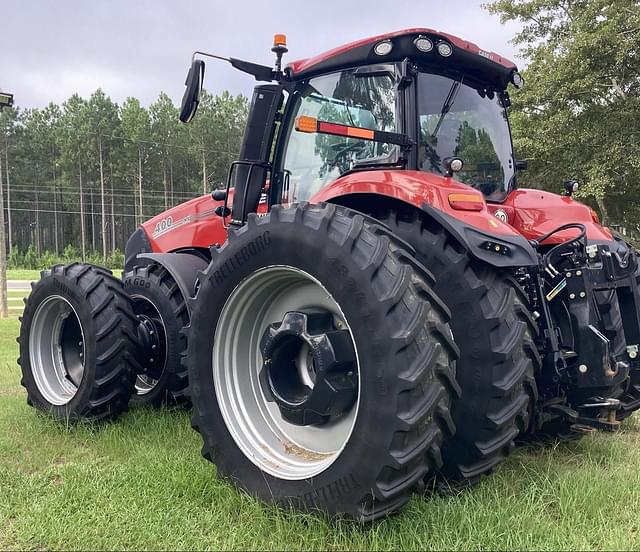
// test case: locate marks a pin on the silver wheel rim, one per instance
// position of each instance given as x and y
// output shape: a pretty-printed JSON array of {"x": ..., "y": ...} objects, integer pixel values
[
  {"x": 282, "y": 449},
  {"x": 144, "y": 383},
  {"x": 57, "y": 350}
]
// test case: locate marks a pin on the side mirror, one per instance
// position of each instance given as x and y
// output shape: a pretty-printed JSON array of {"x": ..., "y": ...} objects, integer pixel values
[
  {"x": 522, "y": 165},
  {"x": 191, "y": 97}
]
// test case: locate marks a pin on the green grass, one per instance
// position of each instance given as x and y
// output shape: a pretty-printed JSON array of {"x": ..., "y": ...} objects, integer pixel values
[
  {"x": 140, "y": 483},
  {"x": 25, "y": 274},
  {"x": 22, "y": 274}
]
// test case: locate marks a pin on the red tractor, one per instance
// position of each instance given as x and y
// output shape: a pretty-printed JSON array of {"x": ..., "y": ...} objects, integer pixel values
[{"x": 371, "y": 305}]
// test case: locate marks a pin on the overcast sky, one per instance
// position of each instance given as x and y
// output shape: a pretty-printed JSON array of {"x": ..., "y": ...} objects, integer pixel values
[{"x": 51, "y": 49}]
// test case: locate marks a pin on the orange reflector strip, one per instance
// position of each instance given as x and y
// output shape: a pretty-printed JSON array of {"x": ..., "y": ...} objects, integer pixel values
[
  {"x": 466, "y": 202},
  {"x": 344, "y": 130},
  {"x": 306, "y": 124},
  {"x": 360, "y": 133}
]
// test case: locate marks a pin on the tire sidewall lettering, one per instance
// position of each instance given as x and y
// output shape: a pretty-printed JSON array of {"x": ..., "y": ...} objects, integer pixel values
[{"x": 137, "y": 282}]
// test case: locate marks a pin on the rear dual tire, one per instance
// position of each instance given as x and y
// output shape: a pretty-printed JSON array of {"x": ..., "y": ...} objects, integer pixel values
[{"x": 404, "y": 367}]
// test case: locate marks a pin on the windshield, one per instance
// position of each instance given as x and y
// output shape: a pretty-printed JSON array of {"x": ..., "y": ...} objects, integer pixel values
[
  {"x": 459, "y": 120},
  {"x": 314, "y": 160}
]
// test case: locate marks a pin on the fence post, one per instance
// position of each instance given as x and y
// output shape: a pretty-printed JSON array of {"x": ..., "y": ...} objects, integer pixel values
[
  {"x": 6, "y": 100},
  {"x": 4, "y": 308}
]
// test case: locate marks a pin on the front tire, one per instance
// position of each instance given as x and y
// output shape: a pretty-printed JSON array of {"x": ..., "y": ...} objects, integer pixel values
[
  {"x": 329, "y": 263},
  {"x": 78, "y": 344},
  {"x": 162, "y": 311}
]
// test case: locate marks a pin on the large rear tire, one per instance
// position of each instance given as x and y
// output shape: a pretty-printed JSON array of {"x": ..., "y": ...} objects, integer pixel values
[
  {"x": 494, "y": 329},
  {"x": 162, "y": 311},
  {"x": 364, "y": 458},
  {"x": 78, "y": 344}
]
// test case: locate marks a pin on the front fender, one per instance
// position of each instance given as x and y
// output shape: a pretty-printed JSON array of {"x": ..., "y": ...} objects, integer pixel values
[
  {"x": 183, "y": 267},
  {"x": 479, "y": 231}
]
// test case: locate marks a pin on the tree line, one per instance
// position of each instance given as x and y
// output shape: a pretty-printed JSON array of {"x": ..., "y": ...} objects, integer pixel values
[
  {"x": 82, "y": 175},
  {"x": 578, "y": 115}
]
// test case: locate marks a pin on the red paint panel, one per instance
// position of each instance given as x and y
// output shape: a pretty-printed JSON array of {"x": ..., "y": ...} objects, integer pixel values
[
  {"x": 533, "y": 213},
  {"x": 190, "y": 224},
  {"x": 415, "y": 188}
]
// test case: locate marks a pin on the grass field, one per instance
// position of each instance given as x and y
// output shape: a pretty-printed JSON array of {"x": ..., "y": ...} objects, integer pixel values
[{"x": 140, "y": 483}]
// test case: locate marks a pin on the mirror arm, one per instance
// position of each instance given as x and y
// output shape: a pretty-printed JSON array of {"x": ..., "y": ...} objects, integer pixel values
[
  {"x": 198, "y": 53},
  {"x": 260, "y": 72}
]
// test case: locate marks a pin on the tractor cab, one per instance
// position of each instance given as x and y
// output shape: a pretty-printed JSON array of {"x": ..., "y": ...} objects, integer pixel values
[
  {"x": 415, "y": 100},
  {"x": 375, "y": 117}
]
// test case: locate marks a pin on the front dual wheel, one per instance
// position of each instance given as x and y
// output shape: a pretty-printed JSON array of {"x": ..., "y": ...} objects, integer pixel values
[
  {"x": 78, "y": 344},
  {"x": 321, "y": 363}
]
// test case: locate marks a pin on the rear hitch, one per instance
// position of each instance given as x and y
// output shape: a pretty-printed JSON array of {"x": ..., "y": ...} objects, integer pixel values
[{"x": 598, "y": 414}]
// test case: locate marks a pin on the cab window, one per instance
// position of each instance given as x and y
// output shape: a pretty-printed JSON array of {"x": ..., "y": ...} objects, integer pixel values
[
  {"x": 459, "y": 120},
  {"x": 311, "y": 160}
]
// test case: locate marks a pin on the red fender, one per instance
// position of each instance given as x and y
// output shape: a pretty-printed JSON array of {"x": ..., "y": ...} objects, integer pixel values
[
  {"x": 418, "y": 188},
  {"x": 530, "y": 213}
]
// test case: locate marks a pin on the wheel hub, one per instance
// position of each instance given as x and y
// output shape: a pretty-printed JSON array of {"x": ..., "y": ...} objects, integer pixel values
[
  {"x": 151, "y": 338},
  {"x": 308, "y": 368}
]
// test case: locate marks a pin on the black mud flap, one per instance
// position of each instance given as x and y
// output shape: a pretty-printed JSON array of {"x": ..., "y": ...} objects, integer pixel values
[
  {"x": 494, "y": 249},
  {"x": 183, "y": 267}
]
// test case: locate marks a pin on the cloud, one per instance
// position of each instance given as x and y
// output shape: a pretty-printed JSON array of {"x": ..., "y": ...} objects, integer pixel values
[{"x": 138, "y": 48}]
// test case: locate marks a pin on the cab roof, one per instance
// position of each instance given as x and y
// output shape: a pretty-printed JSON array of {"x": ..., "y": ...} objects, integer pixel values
[{"x": 466, "y": 56}]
